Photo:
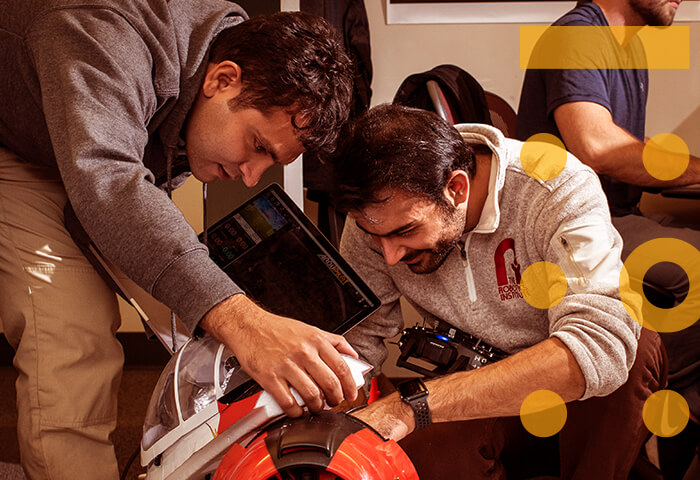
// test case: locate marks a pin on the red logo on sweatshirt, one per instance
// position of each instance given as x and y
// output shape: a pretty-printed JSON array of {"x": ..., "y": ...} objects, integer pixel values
[{"x": 507, "y": 270}]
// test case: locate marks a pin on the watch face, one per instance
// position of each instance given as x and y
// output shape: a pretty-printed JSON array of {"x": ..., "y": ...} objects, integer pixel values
[{"x": 412, "y": 389}]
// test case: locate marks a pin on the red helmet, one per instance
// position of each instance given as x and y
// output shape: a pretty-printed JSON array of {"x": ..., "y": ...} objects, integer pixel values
[{"x": 324, "y": 446}]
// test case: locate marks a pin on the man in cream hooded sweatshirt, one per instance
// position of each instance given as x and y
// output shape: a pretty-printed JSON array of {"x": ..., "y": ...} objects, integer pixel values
[{"x": 451, "y": 220}]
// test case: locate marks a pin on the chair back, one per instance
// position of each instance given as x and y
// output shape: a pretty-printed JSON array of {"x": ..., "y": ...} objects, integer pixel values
[
  {"x": 502, "y": 114},
  {"x": 449, "y": 91}
]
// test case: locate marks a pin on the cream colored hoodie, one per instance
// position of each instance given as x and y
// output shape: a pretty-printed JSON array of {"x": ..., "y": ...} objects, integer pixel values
[{"x": 564, "y": 221}]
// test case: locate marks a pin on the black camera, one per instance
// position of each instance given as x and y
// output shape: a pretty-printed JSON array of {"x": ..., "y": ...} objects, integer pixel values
[{"x": 437, "y": 352}]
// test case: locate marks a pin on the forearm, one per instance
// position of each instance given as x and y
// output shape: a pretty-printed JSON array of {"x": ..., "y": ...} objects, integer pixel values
[
  {"x": 494, "y": 391},
  {"x": 623, "y": 161},
  {"x": 499, "y": 390},
  {"x": 588, "y": 131}
]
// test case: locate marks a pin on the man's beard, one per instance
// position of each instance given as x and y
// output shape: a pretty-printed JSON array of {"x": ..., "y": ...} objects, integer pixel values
[
  {"x": 656, "y": 15},
  {"x": 436, "y": 256}
]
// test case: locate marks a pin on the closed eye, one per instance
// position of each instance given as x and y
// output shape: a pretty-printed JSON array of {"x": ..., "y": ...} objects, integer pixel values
[
  {"x": 402, "y": 231},
  {"x": 405, "y": 233},
  {"x": 259, "y": 147}
]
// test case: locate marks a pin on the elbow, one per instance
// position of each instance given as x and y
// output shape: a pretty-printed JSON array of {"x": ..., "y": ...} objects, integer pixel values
[
  {"x": 617, "y": 371},
  {"x": 577, "y": 386},
  {"x": 594, "y": 155},
  {"x": 606, "y": 382},
  {"x": 604, "y": 363}
]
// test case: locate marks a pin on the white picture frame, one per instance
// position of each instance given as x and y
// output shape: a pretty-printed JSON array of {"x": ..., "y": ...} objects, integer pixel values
[{"x": 521, "y": 12}]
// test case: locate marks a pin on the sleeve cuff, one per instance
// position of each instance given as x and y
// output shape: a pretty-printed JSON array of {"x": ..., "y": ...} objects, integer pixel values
[{"x": 192, "y": 285}]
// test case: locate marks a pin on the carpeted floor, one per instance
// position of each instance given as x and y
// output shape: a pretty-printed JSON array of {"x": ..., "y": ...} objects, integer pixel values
[{"x": 11, "y": 471}]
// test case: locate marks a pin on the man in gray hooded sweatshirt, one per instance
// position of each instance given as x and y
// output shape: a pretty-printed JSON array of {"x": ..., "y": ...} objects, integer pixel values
[{"x": 107, "y": 106}]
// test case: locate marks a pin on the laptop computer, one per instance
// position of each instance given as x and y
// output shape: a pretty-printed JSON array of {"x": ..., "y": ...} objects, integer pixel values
[{"x": 281, "y": 260}]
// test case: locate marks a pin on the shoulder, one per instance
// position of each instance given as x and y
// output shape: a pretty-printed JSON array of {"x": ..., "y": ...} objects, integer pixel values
[
  {"x": 550, "y": 173},
  {"x": 583, "y": 15}
]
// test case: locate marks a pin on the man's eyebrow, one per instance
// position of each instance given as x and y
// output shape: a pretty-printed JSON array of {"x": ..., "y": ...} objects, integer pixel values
[
  {"x": 268, "y": 146},
  {"x": 389, "y": 234}
]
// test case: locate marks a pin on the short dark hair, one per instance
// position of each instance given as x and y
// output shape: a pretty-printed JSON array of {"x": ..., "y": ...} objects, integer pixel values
[
  {"x": 401, "y": 148},
  {"x": 295, "y": 61}
]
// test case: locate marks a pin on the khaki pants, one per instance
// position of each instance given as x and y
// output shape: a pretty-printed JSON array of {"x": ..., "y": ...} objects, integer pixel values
[{"x": 61, "y": 319}]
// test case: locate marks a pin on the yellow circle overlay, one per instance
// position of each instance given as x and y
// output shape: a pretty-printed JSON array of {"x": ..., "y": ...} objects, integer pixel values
[
  {"x": 543, "y": 156},
  {"x": 543, "y": 285},
  {"x": 665, "y": 413},
  {"x": 666, "y": 156},
  {"x": 543, "y": 413},
  {"x": 642, "y": 259}
]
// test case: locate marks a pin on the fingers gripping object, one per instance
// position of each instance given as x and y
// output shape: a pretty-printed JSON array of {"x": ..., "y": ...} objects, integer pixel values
[{"x": 206, "y": 413}]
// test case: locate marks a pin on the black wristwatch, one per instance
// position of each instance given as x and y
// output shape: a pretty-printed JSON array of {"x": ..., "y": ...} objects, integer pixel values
[{"x": 415, "y": 393}]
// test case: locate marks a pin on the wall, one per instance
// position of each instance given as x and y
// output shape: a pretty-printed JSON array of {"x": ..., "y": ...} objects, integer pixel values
[{"x": 489, "y": 52}]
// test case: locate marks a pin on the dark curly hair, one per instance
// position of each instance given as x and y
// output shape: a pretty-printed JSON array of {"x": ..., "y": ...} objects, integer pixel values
[
  {"x": 401, "y": 148},
  {"x": 296, "y": 61}
]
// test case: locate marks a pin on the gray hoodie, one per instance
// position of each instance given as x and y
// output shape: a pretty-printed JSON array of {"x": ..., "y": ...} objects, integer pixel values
[
  {"x": 100, "y": 90},
  {"x": 564, "y": 221}
]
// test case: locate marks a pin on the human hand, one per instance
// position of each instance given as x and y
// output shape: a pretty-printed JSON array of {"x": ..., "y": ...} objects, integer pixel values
[
  {"x": 347, "y": 405},
  {"x": 389, "y": 416},
  {"x": 281, "y": 353}
]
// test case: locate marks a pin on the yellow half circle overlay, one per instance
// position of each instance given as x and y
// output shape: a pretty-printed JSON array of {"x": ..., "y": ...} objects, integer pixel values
[{"x": 666, "y": 413}]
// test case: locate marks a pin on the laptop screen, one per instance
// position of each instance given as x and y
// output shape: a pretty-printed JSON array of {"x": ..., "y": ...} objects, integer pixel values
[{"x": 279, "y": 258}]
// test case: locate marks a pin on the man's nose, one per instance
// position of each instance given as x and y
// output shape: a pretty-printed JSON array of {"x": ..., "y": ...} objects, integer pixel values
[
  {"x": 392, "y": 250},
  {"x": 251, "y": 171}
]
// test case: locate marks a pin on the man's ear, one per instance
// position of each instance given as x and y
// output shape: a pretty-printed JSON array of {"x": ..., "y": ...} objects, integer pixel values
[
  {"x": 222, "y": 77},
  {"x": 457, "y": 187}
]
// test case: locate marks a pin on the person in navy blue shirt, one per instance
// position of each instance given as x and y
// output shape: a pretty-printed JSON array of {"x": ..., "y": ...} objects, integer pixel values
[{"x": 596, "y": 104}]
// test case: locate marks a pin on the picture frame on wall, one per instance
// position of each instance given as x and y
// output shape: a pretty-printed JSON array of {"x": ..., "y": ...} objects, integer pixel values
[{"x": 495, "y": 11}]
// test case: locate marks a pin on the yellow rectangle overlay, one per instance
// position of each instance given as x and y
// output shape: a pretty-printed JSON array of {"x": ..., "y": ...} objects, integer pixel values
[{"x": 590, "y": 47}]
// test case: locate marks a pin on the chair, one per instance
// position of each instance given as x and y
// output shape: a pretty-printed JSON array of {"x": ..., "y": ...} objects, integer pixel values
[
  {"x": 457, "y": 97},
  {"x": 447, "y": 90},
  {"x": 502, "y": 114},
  {"x": 440, "y": 104}
]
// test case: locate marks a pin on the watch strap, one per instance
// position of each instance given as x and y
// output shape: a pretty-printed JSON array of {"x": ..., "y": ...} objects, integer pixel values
[
  {"x": 421, "y": 412},
  {"x": 415, "y": 394}
]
